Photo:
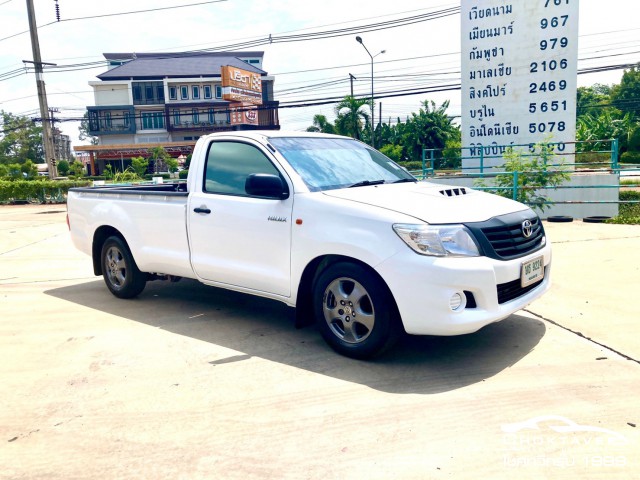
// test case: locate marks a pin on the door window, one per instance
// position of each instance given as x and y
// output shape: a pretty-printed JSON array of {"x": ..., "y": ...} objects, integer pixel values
[{"x": 230, "y": 163}]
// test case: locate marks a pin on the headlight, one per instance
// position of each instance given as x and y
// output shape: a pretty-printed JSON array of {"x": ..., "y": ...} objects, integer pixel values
[{"x": 438, "y": 240}]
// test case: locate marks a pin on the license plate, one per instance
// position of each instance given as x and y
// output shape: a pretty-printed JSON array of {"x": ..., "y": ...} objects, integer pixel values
[{"x": 532, "y": 271}]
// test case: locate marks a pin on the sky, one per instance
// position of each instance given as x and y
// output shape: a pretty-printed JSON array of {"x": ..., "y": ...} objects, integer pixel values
[{"x": 422, "y": 53}]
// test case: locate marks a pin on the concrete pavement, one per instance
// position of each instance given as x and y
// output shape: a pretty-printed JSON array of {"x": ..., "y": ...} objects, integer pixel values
[{"x": 188, "y": 381}]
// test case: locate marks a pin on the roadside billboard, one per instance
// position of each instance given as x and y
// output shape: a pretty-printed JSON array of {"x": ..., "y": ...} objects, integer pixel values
[
  {"x": 519, "y": 62},
  {"x": 243, "y": 114},
  {"x": 240, "y": 85}
]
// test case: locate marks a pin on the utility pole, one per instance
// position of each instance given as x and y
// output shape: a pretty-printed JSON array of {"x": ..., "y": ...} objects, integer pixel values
[
  {"x": 47, "y": 139},
  {"x": 355, "y": 117}
]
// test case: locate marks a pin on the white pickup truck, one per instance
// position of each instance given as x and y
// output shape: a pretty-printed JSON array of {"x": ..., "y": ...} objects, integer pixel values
[{"x": 325, "y": 224}]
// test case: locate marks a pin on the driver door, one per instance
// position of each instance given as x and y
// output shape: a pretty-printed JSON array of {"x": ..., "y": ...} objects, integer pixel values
[{"x": 237, "y": 239}]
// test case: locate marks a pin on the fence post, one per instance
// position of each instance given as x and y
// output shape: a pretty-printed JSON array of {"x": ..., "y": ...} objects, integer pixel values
[
  {"x": 432, "y": 170},
  {"x": 614, "y": 153},
  {"x": 515, "y": 185},
  {"x": 424, "y": 161}
]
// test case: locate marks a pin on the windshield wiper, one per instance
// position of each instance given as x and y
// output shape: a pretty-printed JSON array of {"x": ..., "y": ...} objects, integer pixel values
[
  {"x": 365, "y": 183},
  {"x": 403, "y": 180}
]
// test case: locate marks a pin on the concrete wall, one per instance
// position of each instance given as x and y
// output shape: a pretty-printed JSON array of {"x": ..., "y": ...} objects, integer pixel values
[
  {"x": 112, "y": 94},
  {"x": 583, "y": 187}
]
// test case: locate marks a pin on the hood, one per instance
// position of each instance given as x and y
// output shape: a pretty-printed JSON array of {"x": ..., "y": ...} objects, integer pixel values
[{"x": 431, "y": 202}]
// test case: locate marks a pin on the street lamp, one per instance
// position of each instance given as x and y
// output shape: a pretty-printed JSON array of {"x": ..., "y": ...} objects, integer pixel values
[{"x": 359, "y": 39}]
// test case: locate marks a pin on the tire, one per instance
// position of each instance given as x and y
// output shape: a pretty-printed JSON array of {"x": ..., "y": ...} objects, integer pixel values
[
  {"x": 355, "y": 311},
  {"x": 119, "y": 269},
  {"x": 560, "y": 219},
  {"x": 595, "y": 219}
]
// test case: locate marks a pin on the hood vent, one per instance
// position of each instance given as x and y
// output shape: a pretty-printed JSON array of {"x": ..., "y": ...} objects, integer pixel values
[{"x": 454, "y": 192}]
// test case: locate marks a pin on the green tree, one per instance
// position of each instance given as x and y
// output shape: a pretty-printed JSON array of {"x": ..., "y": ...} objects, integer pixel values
[
  {"x": 84, "y": 131},
  {"x": 140, "y": 166},
  {"x": 608, "y": 124},
  {"x": 626, "y": 95},
  {"x": 321, "y": 124},
  {"x": 159, "y": 157},
  {"x": 592, "y": 100},
  {"x": 20, "y": 140},
  {"x": 172, "y": 164},
  {"x": 429, "y": 128},
  {"x": 352, "y": 117}
]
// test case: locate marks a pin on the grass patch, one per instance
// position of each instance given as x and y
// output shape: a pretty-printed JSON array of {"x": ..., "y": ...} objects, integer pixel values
[{"x": 629, "y": 213}]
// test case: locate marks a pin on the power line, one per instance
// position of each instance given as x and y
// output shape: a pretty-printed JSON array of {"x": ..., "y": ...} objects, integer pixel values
[{"x": 113, "y": 15}]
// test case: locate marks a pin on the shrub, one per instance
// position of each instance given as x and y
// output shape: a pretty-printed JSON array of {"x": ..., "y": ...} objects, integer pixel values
[
  {"x": 628, "y": 213},
  {"x": 394, "y": 152},
  {"x": 411, "y": 166},
  {"x": 140, "y": 165},
  {"x": 534, "y": 174},
  {"x": 42, "y": 191},
  {"x": 183, "y": 174},
  {"x": 630, "y": 157},
  {"x": 63, "y": 167},
  {"x": 127, "y": 176}
]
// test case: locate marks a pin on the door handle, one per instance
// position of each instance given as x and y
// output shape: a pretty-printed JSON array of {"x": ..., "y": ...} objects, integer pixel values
[{"x": 203, "y": 209}]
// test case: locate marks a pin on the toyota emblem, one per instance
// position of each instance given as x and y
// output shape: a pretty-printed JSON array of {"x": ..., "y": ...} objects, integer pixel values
[{"x": 527, "y": 228}]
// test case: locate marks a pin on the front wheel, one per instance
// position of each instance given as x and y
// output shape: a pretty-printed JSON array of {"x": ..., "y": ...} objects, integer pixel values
[
  {"x": 355, "y": 311},
  {"x": 119, "y": 269}
]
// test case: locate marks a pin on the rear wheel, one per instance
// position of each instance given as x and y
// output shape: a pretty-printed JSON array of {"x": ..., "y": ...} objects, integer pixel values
[
  {"x": 119, "y": 269},
  {"x": 355, "y": 311}
]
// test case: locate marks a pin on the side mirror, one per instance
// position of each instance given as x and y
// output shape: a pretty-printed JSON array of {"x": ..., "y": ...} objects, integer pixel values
[{"x": 266, "y": 185}]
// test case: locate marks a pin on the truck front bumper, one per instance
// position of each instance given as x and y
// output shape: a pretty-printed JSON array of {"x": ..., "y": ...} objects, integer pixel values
[{"x": 454, "y": 296}]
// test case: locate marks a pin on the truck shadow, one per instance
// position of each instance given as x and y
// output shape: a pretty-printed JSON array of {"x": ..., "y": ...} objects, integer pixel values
[{"x": 257, "y": 327}]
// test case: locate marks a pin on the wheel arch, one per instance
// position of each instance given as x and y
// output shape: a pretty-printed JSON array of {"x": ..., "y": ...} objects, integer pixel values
[
  {"x": 99, "y": 237},
  {"x": 304, "y": 298}
]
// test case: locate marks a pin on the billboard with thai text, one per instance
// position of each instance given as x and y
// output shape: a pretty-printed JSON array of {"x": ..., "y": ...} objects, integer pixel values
[{"x": 519, "y": 83}]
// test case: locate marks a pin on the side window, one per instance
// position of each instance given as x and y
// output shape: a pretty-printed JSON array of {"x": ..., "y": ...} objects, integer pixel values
[{"x": 230, "y": 163}]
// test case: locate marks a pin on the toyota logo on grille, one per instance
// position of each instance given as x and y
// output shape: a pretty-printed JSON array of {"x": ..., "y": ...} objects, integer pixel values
[{"x": 527, "y": 228}]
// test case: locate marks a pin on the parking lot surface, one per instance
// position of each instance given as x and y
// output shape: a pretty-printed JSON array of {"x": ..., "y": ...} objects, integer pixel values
[{"x": 189, "y": 381}]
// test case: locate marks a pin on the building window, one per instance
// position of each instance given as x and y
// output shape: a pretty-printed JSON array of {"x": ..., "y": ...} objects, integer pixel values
[
  {"x": 218, "y": 91},
  {"x": 125, "y": 119},
  {"x": 152, "y": 120},
  {"x": 195, "y": 92},
  {"x": 212, "y": 115},
  {"x": 177, "y": 120},
  {"x": 107, "y": 119},
  {"x": 207, "y": 91},
  {"x": 184, "y": 92},
  {"x": 137, "y": 93},
  {"x": 195, "y": 114},
  {"x": 148, "y": 93},
  {"x": 173, "y": 93}
]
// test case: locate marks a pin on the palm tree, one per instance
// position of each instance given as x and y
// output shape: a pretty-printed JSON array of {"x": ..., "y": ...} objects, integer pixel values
[
  {"x": 352, "y": 118},
  {"x": 321, "y": 124}
]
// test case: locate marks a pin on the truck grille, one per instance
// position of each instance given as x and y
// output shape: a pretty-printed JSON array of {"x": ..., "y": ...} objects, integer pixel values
[{"x": 503, "y": 237}]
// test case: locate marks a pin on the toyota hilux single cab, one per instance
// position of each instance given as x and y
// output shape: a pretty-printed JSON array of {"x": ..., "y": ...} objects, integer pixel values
[{"x": 325, "y": 224}]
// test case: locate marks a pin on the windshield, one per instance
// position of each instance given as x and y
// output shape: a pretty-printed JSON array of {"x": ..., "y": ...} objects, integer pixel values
[{"x": 329, "y": 163}]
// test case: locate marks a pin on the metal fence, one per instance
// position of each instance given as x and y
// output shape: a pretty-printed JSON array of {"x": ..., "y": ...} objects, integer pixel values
[{"x": 582, "y": 158}]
